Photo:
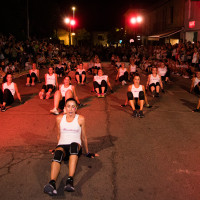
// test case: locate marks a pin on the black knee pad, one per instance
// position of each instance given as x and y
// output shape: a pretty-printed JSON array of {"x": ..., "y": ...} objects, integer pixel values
[
  {"x": 84, "y": 72},
  {"x": 141, "y": 95},
  {"x": 157, "y": 84},
  {"x": 76, "y": 73},
  {"x": 130, "y": 96},
  {"x": 58, "y": 156},
  {"x": 73, "y": 149},
  {"x": 28, "y": 75}
]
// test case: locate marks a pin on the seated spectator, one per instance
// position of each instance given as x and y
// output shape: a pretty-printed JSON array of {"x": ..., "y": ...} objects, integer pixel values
[{"x": 33, "y": 76}]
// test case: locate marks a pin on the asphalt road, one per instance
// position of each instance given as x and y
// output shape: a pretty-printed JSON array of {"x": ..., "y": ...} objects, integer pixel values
[{"x": 154, "y": 158}]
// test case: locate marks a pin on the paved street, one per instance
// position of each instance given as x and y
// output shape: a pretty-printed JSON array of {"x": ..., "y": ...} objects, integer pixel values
[{"x": 154, "y": 158}]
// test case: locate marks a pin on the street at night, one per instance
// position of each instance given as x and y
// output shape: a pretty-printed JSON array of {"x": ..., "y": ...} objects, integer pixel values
[{"x": 156, "y": 157}]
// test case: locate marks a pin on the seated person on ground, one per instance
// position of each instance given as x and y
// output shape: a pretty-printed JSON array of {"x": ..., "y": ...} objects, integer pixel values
[
  {"x": 66, "y": 91},
  {"x": 33, "y": 76},
  {"x": 80, "y": 75},
  {"x": 51, "y": 83},
  {"x": 122, "y": 74},
  {"x": 9, "y": 88},
  {"x": 101, "y": 83},
  {"x": 154, "y": 82}
]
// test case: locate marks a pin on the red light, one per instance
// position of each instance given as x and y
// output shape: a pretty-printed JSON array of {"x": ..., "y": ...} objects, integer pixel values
[
  {"x": 133, "y": 20},
  {"x": 72, "y": 22},
  {"x": 192, "y": 24},
  {"x": 139, "y": 19}
]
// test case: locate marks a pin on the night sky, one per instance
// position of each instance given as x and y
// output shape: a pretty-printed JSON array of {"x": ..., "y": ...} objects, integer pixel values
[{"x": 47, "y": 15}]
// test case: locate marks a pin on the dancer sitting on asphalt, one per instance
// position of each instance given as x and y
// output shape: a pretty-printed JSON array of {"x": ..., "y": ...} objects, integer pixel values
[
  {"x": 9, "y": 88},
  {"x": 80, "y": 75},
  {"x": 51, "y": 83},
  {"x": 60, "y": 69},
  {"x": 101, "y": 83},
  {"x": 196, "y": 84},
  {"x": 122, "y": 74},
  {"x": 163, "y": 71},
  {"x": 154, "y": 83},
  {"x": 65, "y": 92},
  {"x": 97, "y": 66},
  {"x": 70, "y": 135},
  {"x": 136, "y": 96},
  {"x": 132, "y": 68},
  {"x": 33, "y": 75}
]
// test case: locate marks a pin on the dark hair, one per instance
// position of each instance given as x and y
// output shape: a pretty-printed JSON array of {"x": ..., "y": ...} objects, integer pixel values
[
  {"x": 71, "y": 99},
  {"x": 136, "y": 74},
  {"x": 68, "y": 77}
]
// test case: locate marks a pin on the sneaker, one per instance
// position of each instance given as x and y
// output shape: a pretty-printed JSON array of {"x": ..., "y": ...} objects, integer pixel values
[
  {"x": 69, "y": 185},
  {"x": 148, "y": 106},
  {"x": 185, "y": 76},
  {"x": 41, "y": 95},
  {"x": 54, "y": 111},
  {"x": 153, "y": 93},
  {"x": 135, "y": 114},
  {"x": 141, "y": 114},
  {"x": 50, "y": 189},
  {"x": 33, "y": 84},
  {"x": 28, "y": 84},
  {"x": 48, "y": 94},
  {"x": 123, "y": 83},
  {"x": 157, "y": 94},
  {"x": 3, "y": 109},
  {"x": 196, "y": 110},
  {"x": 98, "y": 95}
]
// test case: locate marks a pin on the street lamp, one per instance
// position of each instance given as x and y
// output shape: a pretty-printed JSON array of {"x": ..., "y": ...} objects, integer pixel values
[
  {"x": 73, "y": 9},
  {"x": 70, "y": 22}
]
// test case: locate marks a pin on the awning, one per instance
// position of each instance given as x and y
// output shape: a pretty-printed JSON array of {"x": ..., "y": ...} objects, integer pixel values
[{"x": 165, "y": 34}]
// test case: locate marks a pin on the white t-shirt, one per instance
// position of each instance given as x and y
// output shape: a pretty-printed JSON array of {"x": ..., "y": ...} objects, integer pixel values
[{"x": 98, "y": 79}]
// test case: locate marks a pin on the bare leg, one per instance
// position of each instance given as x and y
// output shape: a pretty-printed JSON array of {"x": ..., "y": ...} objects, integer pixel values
[
  {"x": 78, "y": 78},
  {"x": 83, "y": 78},
  {"x": 103, "y": 89},
  {"x": 28, "y": 81},
  {"x": 57, "y": 98},
  {"x": 141, "y": 104},
  {"x": 73, "y": 159},
  {"x": 132, "y": 104},
  {"x": 33, "y": 80},
  {"x": 68, "y": 94},
  {"x": 157, "y": 88},
  {"x": 97, "y": 90},
  {"x": 198, "y": 105}
]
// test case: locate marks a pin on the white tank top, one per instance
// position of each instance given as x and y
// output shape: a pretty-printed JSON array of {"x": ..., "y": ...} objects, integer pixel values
[
  {"x": 80, "y": 71},
  {"x": 196, "y": 81},
  {"x": 98, "y": 79},
  {"x": 154, "y": 79},
  {"x": 97, "y": 65},
  {"x": 133, "y": 68},
  {"x": 33, "y": 71},
  {"x": 121, "y": 71},
  {"x": 195, "y": 58},
  {"x": 162, "y": 71},
  {"x": 51, "y": 80},
  {"x": 136, "y": 91},
  {"x": 11, "y": 87},
  {"x": 69, "y": 131},
  {"x": 64, "y": 89}
]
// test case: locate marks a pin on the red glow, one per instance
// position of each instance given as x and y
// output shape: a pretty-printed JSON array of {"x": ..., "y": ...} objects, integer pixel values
[
  {"x": 192, "y": 24},
  {"x": 133, "y": 20},
  {"x": 72, "y": 22}
]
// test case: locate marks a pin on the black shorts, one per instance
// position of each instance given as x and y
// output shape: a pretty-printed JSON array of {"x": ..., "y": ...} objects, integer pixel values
[
  {"x": 67, "y": 151},
  {"x": 47, "y": 87},
  {"x": 62, "y": 103}
]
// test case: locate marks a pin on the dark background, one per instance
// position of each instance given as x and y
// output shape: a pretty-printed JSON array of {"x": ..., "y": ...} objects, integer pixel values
[{"x": 47, "y": 15}]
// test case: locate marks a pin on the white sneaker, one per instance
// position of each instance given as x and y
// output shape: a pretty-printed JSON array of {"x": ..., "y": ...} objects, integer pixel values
[
  {"x": 54, "y": 111},
  {"x": 123, "y": 83},
  {"x": 41, "y": 95}
]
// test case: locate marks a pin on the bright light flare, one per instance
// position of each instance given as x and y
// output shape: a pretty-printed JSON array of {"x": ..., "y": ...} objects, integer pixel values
[
  {"x": 72, "y": 22},
  {"x": 133, "y": 20},
  {"x": 67, "y": 20},
  {"x": 73, "y": 8},
  {"x": 139, "y": 19}
]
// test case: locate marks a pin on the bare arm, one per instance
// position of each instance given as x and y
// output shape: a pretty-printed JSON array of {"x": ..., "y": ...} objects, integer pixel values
[
  {"x": 17, "y": 92},
  {"x": 75, "y": 96},
  {"x": 148, "y": 81},
  {"x": 192, "y": 85},
  {"x": 56, "y": 81},
  {"x": 161, "y": 84},
  {"x": 109, "y": 83},
  {"x": 81, "y": 121},
  {"x": 58, "y": 120}
]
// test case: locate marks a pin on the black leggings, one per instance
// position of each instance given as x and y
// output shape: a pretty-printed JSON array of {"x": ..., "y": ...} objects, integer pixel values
[
  {"x": 60, "y": 71},
  {"x": 154, "y": 85},
  {"x": 131, "y": 97},
  {"x": 80, "y": 76},
  {"x": 196, "y": 89},
  {"x": 32, "y": 75},
  {"x": 47, "y": 87},
  {"x": 6, "y": 96},
  {"x": 124, "y": 77},
  {"x": 103, "y": 84}
]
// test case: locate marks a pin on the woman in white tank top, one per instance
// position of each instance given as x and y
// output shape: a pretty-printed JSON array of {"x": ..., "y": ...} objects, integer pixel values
[
  {"x": 132, "y": 68},
  {"x": 7, "y": 93},
  {"x": 70, "y": 135},
  {"x": 51, "y": 83},
  {"x": 65, "y": 92},
  {"x": 122, "y": 74},
  {"x": 154, "y": 83},
  {"x": 33, "y": 76},
  {"x": 80, "y": 75},
  {"x": 196, "y": 84}
]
